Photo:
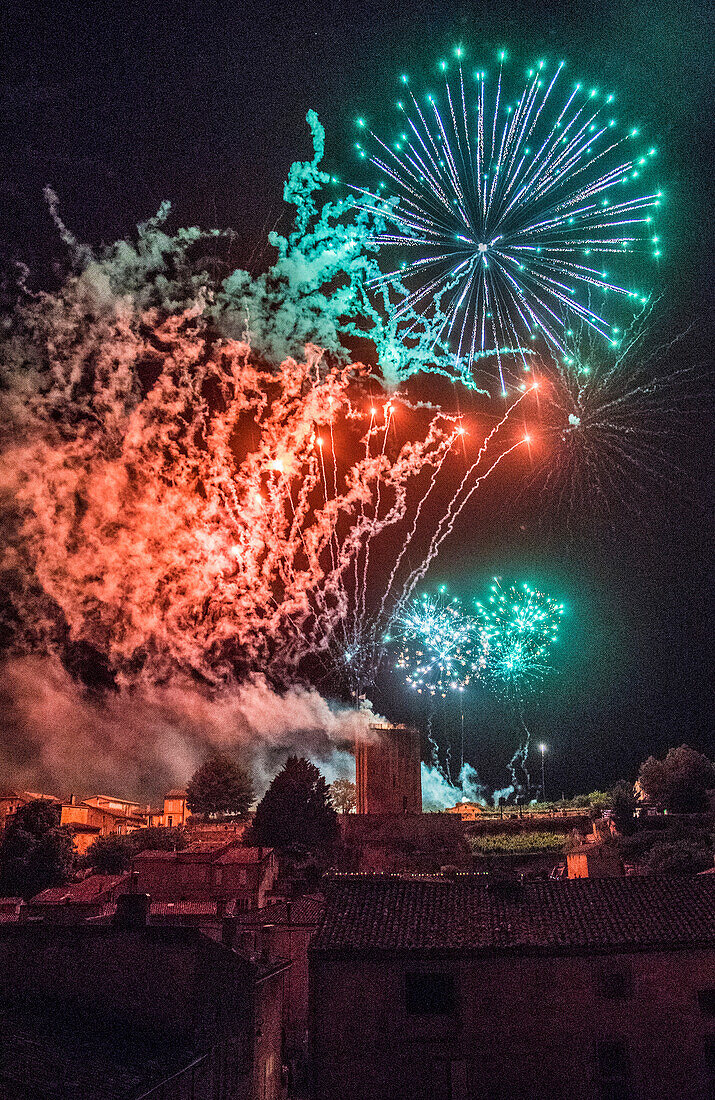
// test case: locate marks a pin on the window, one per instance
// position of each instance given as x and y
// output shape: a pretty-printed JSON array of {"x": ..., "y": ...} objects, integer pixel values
[
  {"x": 706, "y": 1001},
  {"x": 613, "y": 1069},
  {"x": 615, "y": 983},
  {"x": 430, "y": 995}
]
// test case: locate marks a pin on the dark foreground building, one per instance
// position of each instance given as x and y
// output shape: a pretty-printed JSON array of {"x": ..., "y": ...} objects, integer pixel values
[
  {"x": 577, "y": 990},
  {"x": 124, "y": 1011}
]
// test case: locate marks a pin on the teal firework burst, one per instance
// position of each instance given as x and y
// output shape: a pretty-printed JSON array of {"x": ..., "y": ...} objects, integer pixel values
[
  {"x": 511, "y": 210},
  {"x": 440, "y": 645},
  {"x": 518, "y": 627}
]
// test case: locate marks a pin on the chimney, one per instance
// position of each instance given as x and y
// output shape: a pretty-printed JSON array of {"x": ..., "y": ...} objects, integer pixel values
[
  {"x": 72, "y": 800},
  {"x": 132, "y": 911}
]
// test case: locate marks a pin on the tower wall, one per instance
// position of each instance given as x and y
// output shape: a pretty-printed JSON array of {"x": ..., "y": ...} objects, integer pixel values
[{"x": 387, "y": 771}]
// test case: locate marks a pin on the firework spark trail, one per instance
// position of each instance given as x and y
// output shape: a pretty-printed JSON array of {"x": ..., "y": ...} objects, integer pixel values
[
  {"x": 413, "y": 529},
  {"x": 378, "y": 495},
  {"x": 167, "y": 527},
  {"x": 508, "y": 209},
  {"x": 608, "y": 426},
  {"x": 454, "y": 509}
]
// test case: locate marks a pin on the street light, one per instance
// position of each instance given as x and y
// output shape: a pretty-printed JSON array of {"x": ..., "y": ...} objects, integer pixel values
[{"x": 542, "y": 749}]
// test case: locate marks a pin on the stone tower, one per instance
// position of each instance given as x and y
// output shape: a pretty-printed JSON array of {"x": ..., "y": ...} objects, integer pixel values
[{"x": 387, "y": 771}]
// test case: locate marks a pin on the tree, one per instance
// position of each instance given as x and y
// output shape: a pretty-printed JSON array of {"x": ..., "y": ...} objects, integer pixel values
[
  {"x": 652, "y": 780},
  {"x": 688, "y": 854},
  {"x": 220, "y": 787},
  {"x": 342, "y": 795},
  {"x": 35, "y": 851},
  {"x": 112, "y": 855},
  {"x": 679, "y": 782},
  {"x": 295, "y": 811},
  {"x": 623, "y": 806}
]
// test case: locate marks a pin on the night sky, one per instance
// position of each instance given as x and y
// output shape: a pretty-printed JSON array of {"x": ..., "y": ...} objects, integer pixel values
[{"x": 121, "y": 106}]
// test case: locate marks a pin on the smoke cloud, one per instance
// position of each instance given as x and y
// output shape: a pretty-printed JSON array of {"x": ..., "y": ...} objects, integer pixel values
[
  {"x": 439, "y": 793},
  {"x": 144, "y": 739}
]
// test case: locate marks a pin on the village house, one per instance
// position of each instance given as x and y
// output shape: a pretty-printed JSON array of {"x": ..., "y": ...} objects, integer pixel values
[
  {"x": 468, "y": 811},
  {"x": 76, "y": 901},
  {"x": 11, "y": 800},
  {"x": 132, "y": 1012},
  {"x": 208, "y": 871},
  {"x": 175, "y": 812},
  {"x": 589, "y": 989},
  {"x": 283, "y": 930},
  {"x": 99, "y": 816}
]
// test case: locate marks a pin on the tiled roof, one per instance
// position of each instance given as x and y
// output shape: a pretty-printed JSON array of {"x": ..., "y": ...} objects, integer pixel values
[
  {"x": 590, "y": 914},
  {"x": 307, "y": 910},
  {"x": 175, "y": 794},
  {"x": 165, "y": 910},
  {"x": 91, "y": 889},
  {"x": 244, "y": 855},
  {"x": 183, "y": 908},
  {"x": 8, "y": 792},
  {"x": 203, "y": 851}
]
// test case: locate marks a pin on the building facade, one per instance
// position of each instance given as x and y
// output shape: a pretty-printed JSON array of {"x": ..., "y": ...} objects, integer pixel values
[
  {"x": 131, "y": 1012},
  {"x": 208, "y": 871},
  {"x": 583, "y": 990},
  {"x": 388, "y": 771}
]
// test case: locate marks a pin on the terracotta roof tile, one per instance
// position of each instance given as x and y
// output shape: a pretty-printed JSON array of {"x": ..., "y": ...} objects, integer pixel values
[
  {"x": 90, "y": 890},
  {"x": 396, "y": 914},
  {"x": 244, "y": 855},
  {"x": 306, "y": 910}
]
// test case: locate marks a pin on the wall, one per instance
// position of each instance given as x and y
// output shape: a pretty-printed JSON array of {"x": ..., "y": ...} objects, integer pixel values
[
  {"x": 525, "y": 1027},
  {"x": 414, "y": 842},
  {"x": 387, "y": 771}
]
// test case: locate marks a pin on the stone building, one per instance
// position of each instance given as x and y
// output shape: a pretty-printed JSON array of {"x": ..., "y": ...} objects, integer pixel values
[
  {"x": 124, "y": 1011},
  {"x": 388, "y": 771},
  {"x": 208, "y": 871},
  {"x": 590, "y": 989},
  {"x": 284, "y": 930}
]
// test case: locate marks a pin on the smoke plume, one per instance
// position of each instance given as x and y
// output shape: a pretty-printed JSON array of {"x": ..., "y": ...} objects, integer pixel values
[{"x": 144, "y": 739}]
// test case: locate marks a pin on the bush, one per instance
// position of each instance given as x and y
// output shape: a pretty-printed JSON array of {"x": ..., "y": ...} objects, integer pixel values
[
  {"x": 517, "y": 843},
  {"x": 683, "y": 856}
]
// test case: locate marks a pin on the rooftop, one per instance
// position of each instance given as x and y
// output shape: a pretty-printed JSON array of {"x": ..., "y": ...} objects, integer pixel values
[
  {"x": 10, "y": 792},
  {"x": 244, "y": 855},
  {"x": 305, "y": 910},
  {"x": 60, "y": 1056},
  {"x": 395, "y": 914},
  {"x": 89, "y": 890}
]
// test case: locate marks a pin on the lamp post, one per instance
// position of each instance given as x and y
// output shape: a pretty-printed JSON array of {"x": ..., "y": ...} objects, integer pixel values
[{"x": 542, "y": 749}]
